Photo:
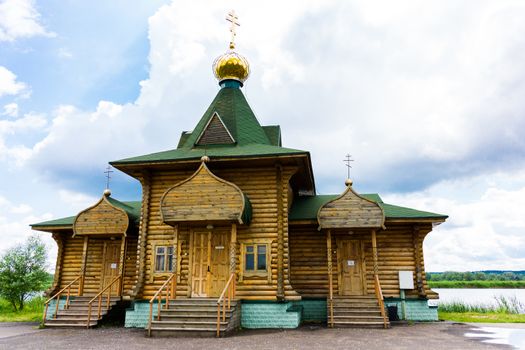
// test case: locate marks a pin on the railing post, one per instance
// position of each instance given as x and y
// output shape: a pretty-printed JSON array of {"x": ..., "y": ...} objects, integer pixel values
[
  {"x": 89, "y": 315},
  {"x": 99, "y": 305},
  {"x": 218, "y": 319},
  {"x": 150, "y": 317},
  {"x": 45, "y": 313},
  {"x": 56, "y": 306}
]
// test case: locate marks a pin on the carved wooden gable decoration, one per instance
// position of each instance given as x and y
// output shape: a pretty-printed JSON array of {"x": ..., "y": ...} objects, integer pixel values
[
  {"x": 350, "y": 210},
  {"x": 215, "y": 133},
  {"x": 103, "y": 218},
  {"x": 204, "y": 197}
]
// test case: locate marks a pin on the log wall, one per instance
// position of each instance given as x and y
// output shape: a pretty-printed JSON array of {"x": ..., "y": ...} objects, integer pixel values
[
  {"x": 70, "y": 263},
  {"x": 268, "y": 201},
  {"x": 395, "y": 249}
]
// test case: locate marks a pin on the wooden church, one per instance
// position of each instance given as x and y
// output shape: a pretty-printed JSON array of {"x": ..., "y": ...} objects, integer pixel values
[{"x": 231, "y": 233}]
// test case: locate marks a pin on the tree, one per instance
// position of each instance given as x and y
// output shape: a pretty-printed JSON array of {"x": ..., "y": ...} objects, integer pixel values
[{"x": 22, "y": 271}]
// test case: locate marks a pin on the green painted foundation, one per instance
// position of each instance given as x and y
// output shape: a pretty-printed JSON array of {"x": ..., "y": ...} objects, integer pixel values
[
  {"x": 263, "y": 314},
  {"x": 416, "y": 309},
  {"x": 313, "y": 310},
  {"x": 137, "y": 315},
  {"x": 52, "y": 306}
]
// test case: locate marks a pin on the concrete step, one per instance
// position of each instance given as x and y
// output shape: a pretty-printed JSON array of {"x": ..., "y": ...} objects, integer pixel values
[
  {"x": 360, "y": 324},
  {"x": 193, "y": 311},
  {"x": 212, "y": 325},
  {"x": 85, "y": 307},
  {"x": 358, "y": 318},
  {"x": 68, "y": 325},
  {"x": 72, "y": 316},
  {"x": 357, "y": 312},
  {"x": 189, "y": 317},
  {"x": 186, "y": 332}
]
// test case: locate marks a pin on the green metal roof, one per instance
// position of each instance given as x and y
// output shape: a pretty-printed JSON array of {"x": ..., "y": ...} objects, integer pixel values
[
  {"x": 131, "y": 208},
  {"x": 306, "y": 208},
  {"x": 274, "y": 134},
  {"x": 251, "y": 139},
  {"x": 224, "y": 151},
  {"x": 236, "y": 114}
]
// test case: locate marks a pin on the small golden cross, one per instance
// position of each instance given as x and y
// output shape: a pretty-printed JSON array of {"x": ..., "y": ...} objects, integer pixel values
[{"x": 234, "y": 20}]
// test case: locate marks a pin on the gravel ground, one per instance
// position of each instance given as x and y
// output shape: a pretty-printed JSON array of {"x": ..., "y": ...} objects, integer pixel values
[{"x": 440, "y": 335}]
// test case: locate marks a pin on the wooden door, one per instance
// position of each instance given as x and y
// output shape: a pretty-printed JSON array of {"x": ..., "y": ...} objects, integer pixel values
[
  {"x": 200, "y": 263},
  {"x": 220, "y": 262},
  {"x": 351, "y": 267},
  {"x": 110, "y": 264}
]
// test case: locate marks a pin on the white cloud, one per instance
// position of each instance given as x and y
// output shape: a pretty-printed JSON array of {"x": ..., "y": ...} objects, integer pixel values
[
  {"x": 9, "y": 85},
  {"x": 20, "y": 19},
  {"x": 76, "y": 201},
  {"x": 11, "y": 110},
  {"x": 485, "y": 226},
  {"x": 17, "y": 153}
]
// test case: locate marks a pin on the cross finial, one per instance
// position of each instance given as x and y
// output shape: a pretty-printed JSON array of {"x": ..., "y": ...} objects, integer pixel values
[
  {"x": 234, "y": 20},
  {"x": 108, "y": 175},
  {"x": 348, "y": 166}
]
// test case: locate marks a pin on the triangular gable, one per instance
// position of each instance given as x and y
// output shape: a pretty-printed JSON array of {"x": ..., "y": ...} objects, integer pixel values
[{"x": 215, "y": 133}]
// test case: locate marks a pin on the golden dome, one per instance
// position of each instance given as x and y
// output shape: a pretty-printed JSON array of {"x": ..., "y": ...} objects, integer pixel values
[{"x": 231, "y": 65}]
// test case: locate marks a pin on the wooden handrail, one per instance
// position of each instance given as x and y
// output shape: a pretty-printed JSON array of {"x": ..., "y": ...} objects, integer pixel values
[
  {"x": 228, "y": 293},
  {"x": 380, "y": 299},
  {"x": 99, "y": 297},
  {"x": 158, "y": 295},
  {"x": 57, "y": 295}
]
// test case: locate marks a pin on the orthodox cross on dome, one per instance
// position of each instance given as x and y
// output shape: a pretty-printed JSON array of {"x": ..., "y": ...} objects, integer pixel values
[
  {"x": 348, "y": 166},
  {"x": 108, "y": 175},
  {"x": 234, "y": 20}
]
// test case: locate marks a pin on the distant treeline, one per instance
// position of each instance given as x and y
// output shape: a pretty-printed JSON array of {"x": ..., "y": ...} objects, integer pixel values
[{"x": 489, "y": 275}]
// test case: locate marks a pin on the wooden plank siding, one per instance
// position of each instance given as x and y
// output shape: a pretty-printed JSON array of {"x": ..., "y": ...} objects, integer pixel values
[
  {"x": 103, "y": 218},
  {"x": 395, "y": 246},
  {"x": 259, "y": 184}
]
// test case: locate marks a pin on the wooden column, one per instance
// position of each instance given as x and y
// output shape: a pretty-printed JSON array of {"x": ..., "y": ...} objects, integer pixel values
[
  {"x": 330, "y": 276},
  {"x": 145, "y": 181},
  {"x": 177, "y": 252},
  {"x": 374, "y": 253},
  {"x": 58, "y": 266},
  {"x": 233, "y": 249},
  {"x": 121, "y": 264},
  {"x": 417, "y": 244},
  {"x": 83, "y": 267},
  {"x": 280, "y": 234}
]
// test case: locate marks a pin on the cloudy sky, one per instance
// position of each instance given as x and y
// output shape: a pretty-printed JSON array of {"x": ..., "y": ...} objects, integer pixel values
[{"x": 427, "y": 96}]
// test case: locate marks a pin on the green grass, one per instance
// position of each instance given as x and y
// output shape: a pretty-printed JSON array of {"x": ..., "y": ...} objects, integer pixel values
[
  {"x": 487, "y": 317},
  {"x": 505, "y": 309},
  {"x": 32, "y": 312},
  {"x": 476, "y": 284}
]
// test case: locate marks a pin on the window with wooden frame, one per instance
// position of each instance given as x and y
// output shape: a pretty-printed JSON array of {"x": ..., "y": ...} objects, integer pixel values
[
  {"x": 255, "y": 259},
  {"x": 164, "y": 258}
]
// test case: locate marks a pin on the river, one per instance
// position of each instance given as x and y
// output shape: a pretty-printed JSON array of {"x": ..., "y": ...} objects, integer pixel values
[{"x": 476, "y": 296}]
